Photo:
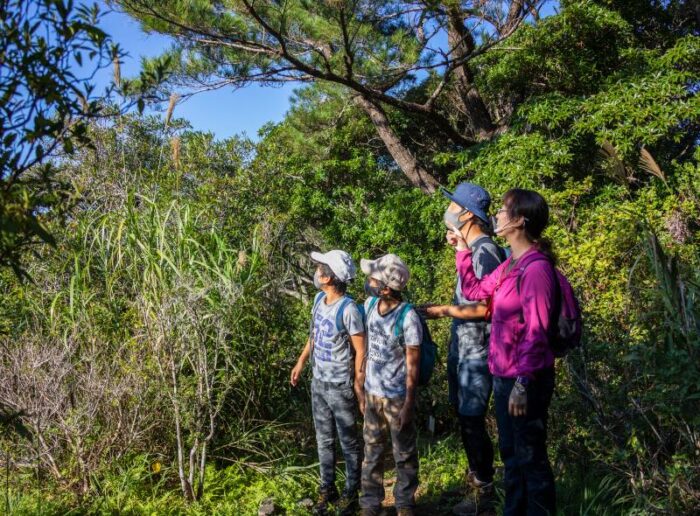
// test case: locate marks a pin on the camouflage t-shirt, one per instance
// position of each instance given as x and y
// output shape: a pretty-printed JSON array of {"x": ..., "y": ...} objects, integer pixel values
[{"x": 386, "y": 356}]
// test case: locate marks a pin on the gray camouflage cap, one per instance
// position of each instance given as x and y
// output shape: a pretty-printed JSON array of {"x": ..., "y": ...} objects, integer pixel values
[{"x": 389, "y": 269}]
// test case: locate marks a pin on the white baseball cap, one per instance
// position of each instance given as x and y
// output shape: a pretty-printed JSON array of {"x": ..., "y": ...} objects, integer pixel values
[
  {"x": 389, "y": 269},
  {"x": 339, "y": 262}
]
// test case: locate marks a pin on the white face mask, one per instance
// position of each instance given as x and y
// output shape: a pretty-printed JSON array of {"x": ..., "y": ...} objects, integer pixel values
[
  {"x": 452, "y": 219},
  {"x": 508, "y": 225},
  {"x": 317, "y": 281}
]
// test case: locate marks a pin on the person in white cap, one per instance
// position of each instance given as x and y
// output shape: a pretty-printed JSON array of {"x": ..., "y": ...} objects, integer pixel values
[
  {"x": 394, "y": 334},
  {"x": 336, "y": 346}
]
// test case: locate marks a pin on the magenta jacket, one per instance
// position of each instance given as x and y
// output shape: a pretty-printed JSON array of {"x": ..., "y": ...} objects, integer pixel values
[{"x": 519, "y": 344}]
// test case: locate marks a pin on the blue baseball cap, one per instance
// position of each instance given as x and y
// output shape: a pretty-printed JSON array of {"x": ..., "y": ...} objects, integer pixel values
[{"x": 471, "y": 197}]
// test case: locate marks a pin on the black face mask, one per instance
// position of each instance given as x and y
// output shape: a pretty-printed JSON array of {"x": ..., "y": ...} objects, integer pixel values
[{"x": 372, "y": 291}]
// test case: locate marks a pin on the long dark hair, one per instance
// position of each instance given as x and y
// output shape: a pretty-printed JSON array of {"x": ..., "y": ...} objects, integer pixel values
[{"x": 534, "y": 209}]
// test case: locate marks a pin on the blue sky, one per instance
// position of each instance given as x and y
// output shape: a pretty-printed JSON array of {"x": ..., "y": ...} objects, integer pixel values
[{"x": 224, "y": 112}]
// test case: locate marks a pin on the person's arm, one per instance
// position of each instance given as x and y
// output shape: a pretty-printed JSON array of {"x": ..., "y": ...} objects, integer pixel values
[
  {"x": 354, "y": 322},
  {"x": 472, "y": 287},
  {"x": 412, "y": 369},
  {"x": 358, "y": 344},
  {"x": 413, "y": 336},
  {"x": 537, "y": 290},
  {"x": 473, "y": 311},
  {"x": 301, "y": 362}
]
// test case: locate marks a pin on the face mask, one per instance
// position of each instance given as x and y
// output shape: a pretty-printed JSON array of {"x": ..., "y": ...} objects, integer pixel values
[
  {"x": 372, "y": 291},
  {"x": 452, "y": 219},
  {"x": 494, "y": 225},
  {"x": 317, "y": 281},
  {"x": 498, "y": 230}
]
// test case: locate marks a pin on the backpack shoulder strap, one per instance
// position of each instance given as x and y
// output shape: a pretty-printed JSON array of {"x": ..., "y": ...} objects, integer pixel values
[
  {"x": 522, "y": 271},
  {"x": 398, "y": 328},
  {"x": 372, "y": 304},
  {"x": 317, "y": 300},
  {"x": 319, "y": 297},
  {"x": 339, "y": 323},
  {"x": 557, "y": 294},
  {"x": 365, "y": 313}
]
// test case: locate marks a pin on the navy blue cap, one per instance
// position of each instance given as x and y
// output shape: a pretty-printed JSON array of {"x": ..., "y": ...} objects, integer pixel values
[{"x": 471, "y": 197}]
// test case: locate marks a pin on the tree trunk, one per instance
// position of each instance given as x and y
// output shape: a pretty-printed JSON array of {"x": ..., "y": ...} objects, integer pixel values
[
  {"x": 416, "y": 174},
  {"x": 473, "y": 106}
]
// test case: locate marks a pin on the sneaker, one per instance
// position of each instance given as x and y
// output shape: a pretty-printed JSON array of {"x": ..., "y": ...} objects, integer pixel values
[
  {"x": 348, "y": 503},
  {"x": 326, "y": 497}
]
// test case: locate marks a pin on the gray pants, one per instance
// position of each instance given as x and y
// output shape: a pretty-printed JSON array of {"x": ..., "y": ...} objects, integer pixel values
[
  {"x": 382, "y": 416},
  {"x": 335, "y": 412}
]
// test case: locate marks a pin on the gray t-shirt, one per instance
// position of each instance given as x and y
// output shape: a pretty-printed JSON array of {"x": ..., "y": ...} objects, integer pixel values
[
  {"x": 385, "y": 374},
  {"x": 469, "y": 339},
  {"x": 333, "y": 358}
]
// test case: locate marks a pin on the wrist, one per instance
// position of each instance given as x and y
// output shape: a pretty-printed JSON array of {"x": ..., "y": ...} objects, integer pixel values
[{"x": 519, "y": 389}]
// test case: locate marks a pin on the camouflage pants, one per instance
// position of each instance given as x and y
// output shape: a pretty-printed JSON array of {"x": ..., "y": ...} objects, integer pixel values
[
  {"x": 334, "y": 409},
  {"x": 382, "y": 417}
]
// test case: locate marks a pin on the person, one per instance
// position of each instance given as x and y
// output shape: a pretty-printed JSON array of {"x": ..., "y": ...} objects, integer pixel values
[
  {"x": 469, "y": 379},
  {"x": 523, "y": 300},
  {"x": 337, "y": 348},
  {"x": 394, "y": 334}
]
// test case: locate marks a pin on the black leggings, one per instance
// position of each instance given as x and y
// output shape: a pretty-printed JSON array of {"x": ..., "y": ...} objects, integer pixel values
[{"x": 478, "y": 446}]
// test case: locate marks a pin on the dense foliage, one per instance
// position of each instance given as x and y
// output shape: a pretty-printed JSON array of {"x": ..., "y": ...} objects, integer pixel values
[
  {"x": 149, "y": 359},
  {"x": 45, "y": 105}
]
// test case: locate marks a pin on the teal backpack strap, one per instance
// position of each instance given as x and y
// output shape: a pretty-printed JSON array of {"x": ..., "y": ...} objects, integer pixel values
[
  {"x": 398, "y": 328},
  {"x": 365, "y": 316},
  {"x": 372, "y": 303}
]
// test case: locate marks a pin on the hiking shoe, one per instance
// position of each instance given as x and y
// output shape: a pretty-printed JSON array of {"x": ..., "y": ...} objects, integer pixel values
[
  {"x": 348, "y": 504},
  {"x": 405, "y": 511},
  {"x": 325, "y": 498},
  {"x": 482, "y": 498}
]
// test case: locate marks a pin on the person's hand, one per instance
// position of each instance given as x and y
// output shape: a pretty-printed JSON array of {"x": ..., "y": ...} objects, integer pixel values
[
  {"x": 296, "y": 374},
  {"x": 406, "y": 415},
  {"x": 430, "y": 311},
  {"x": 460, "y": 242},
  {"x": 451, "y": 238},
  {"x": 361, "y": 400},
  {"x": 517, "y": 402}
]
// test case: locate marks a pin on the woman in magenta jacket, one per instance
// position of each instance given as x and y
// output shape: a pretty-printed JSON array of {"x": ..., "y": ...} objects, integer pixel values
[{"x": 522, "y": 293}]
